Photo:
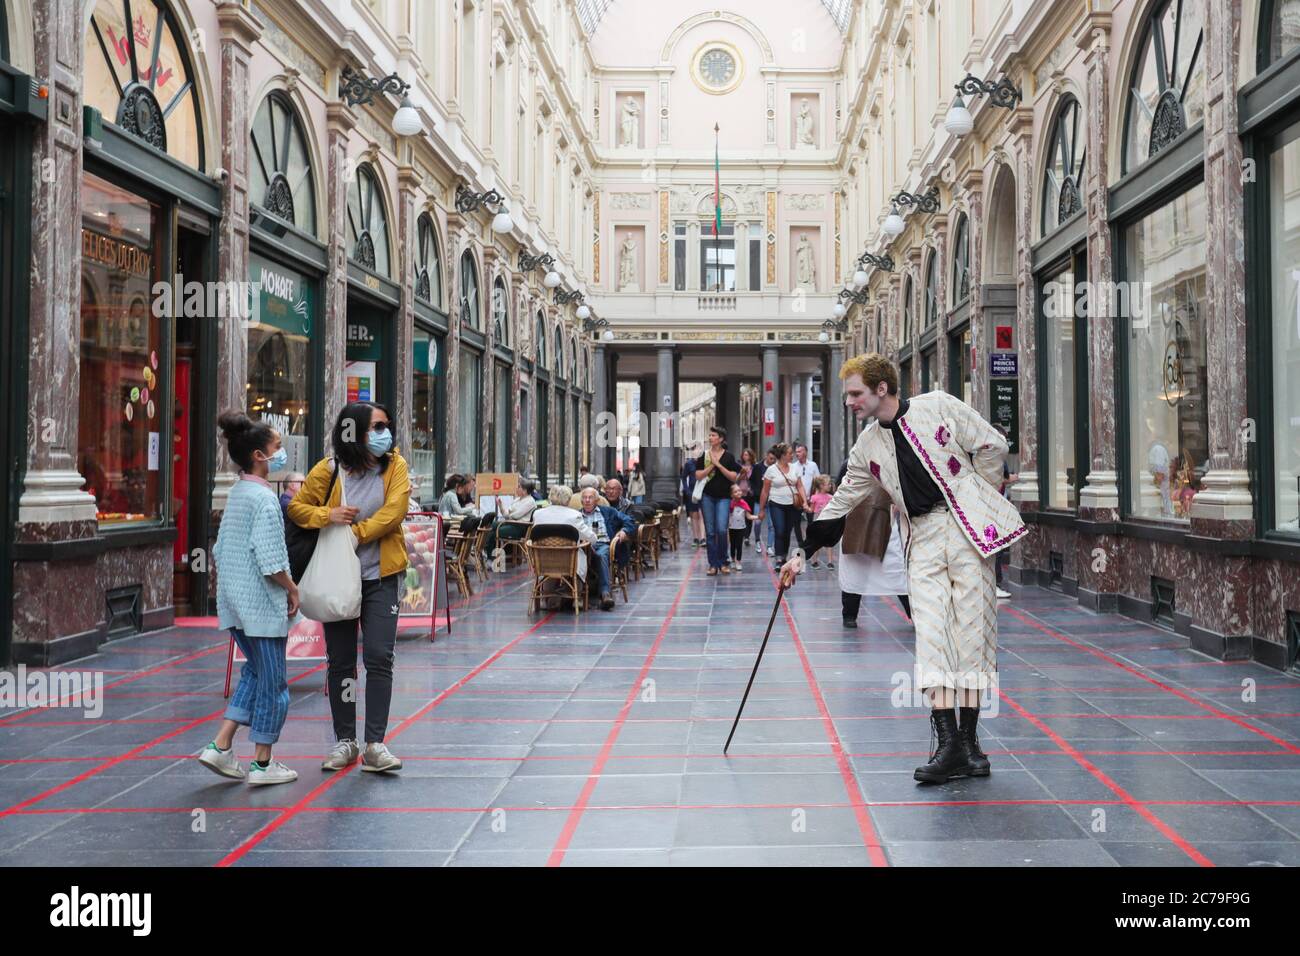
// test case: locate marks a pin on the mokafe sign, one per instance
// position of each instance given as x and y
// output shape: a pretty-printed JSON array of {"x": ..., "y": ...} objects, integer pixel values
[{"x": 116, "y": 254}]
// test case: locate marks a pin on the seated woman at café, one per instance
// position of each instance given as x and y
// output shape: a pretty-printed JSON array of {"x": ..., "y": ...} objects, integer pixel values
[{"x": 520, "y": 510}]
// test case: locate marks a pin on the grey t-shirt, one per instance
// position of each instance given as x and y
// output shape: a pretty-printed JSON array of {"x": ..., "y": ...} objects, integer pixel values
[{"x": 366, "y": 493}]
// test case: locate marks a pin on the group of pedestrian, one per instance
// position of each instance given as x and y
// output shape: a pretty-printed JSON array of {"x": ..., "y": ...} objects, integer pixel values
[{"x": 258, "y": 601}]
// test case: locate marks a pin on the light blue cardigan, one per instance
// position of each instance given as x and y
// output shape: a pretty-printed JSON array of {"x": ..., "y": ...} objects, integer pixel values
[{"x": 250, "y": 545}]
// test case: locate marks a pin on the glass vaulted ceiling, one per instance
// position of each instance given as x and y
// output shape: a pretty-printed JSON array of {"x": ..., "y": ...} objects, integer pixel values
[{"x": 590, "y": 13}]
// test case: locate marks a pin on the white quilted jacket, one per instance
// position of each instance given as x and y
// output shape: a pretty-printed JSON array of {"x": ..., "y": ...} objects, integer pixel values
[{"x": 963, "y": 454}]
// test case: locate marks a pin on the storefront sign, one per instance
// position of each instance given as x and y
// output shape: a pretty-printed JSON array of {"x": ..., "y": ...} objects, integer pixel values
[
  {"x": 361, "y": 381},
  {"x": 365, "y": 338},
  {"x": 116, "y": 254},
  {"x": 1005, "y": 410},
  {"x": 284, "y": 299},
  {"x": 1004, "y": 364}
]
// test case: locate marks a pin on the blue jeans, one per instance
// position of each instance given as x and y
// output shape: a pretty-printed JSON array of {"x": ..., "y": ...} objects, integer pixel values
[
  {"x": 598, "y": 564},
  {"x": 785, "y": 518},
  {"x": 261, "y": 701},
  {"x": 716, "y": 511},
  {"x": 638, "y": 499}
]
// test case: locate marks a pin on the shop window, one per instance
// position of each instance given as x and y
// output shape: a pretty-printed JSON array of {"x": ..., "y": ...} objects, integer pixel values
[
  {"x": 679, "y": 256},
  {"x": 124, "y": 363},
  {"x": 1166, "y": 358},
  {"x": 718, "y": 259},
  {"x": 428, "y": 267},
  {"x": 1063, "y": 178},
  {"x": 1166, "y": 93},
  {"x": 138, "y": 75},
  {"x": 1060, "y": 347},
  {"x": 470, "y": 410},
  {"x": 282, "y": 182},
  {"x": 427, "y": 419},
  {"x": 1283, "y": 329},
  {"x": 281, "y": 355},
  {"x": 504, "y": 418},
  {"x": 367, "y": 222},
  {"x": 540, "y": 338}
]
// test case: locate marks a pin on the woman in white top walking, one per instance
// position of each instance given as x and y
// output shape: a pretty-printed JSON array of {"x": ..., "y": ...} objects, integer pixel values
[{"x": 783, "y": 490}]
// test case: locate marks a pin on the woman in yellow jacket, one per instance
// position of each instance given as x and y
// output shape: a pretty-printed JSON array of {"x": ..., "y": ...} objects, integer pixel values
[{"x": 374, "y": 476}]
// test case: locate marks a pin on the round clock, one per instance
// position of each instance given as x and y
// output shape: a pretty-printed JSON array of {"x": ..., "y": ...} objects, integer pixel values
[{"x": 717, "y": 67}]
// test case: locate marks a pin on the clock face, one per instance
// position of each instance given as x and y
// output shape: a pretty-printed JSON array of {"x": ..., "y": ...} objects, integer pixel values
[{"x": 717, "y": 68}]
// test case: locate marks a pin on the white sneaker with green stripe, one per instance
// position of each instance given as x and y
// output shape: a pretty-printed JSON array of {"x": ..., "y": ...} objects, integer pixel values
[{"x": 221, "y": 761}]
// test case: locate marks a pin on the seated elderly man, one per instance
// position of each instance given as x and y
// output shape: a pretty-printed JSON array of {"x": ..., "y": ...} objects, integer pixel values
[
  {"x": 585, "y": 482},
  {"x": 559, "y": 512},
  {"x": 617, "y": 500},
  {"x": 614, "y": 532},
  {"x": 521, "y": 509}
]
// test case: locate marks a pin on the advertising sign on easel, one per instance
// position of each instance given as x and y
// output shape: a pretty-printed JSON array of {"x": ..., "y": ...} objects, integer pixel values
[{"x": 426, "y": 574}]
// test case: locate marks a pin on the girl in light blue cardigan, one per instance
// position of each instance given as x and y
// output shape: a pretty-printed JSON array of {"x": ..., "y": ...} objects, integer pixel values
[{"x": 256, "y": 597}]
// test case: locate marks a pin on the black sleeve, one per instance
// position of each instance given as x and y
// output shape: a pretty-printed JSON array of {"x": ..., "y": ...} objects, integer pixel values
[
  {"x": 822, "y": 534},
  {"x": 844, "y": 470}
]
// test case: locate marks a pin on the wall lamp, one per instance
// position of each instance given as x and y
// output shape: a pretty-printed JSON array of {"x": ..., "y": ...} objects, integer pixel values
[
  {"x": 592, "y": 326},
  {"x": 928, "y": 201},
  {"x": 527, "y": 263},
  {"x": 859, "y": 296},
  {"x": 357, "y": 89},
  {"x": 885, "y": 262},
  {"x": 467, "y": 201},
  {"x": 829, "y": 326},
  {"x": 1003, "y": 93}
]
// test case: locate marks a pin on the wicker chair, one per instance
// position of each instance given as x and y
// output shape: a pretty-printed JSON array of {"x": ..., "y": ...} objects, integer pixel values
[
  {"x": 552, "y": 551},
  {"x": 481, "y": 531},
  {"x": 673, "y": 527},
  {"x": 647, "y": 539},
  {"x": 618, "y": 573},
  {"x": 455, "y": 554}
]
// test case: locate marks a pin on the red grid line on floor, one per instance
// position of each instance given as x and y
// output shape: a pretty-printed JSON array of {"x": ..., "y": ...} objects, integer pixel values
[{"x": 575, "y": 817}]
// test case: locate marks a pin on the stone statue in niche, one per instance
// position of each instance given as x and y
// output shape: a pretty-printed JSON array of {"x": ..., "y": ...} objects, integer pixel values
[
  {"x": 805, "y": 266},
  {"x": 627, "y": 281},
  {"x": 628, "y": 123},
  {"x": 803, "y": 125}
]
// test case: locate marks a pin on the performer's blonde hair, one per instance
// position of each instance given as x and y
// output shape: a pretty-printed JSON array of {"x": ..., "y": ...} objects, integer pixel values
[{"x": 873, "y": 368}]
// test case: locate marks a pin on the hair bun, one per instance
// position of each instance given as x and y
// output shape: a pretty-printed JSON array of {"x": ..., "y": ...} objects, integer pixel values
[{"x": 233, "y": 422}]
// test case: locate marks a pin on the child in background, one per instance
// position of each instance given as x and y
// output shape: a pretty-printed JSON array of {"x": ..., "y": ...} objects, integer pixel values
[
  {"x": 738, "y": 519},
  {"x": 823, "y": 489}
]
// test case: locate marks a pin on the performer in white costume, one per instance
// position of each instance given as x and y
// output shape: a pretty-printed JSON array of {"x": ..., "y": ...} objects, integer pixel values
[{"x": 941, "y": 464}]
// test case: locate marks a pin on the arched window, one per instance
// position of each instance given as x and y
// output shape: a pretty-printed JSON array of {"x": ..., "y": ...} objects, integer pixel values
[
  {"x": 282, "y": 181},
  {"x": 367, "y": 222},
  {"x": 500, "y": 313},
  {"x": 961, "y": 263},
  {"x": 1063, "y": 177},
  {"x": 1167, "y": 88},
  {"x": 932, "y": 290},
  {"x": 428, "y": 263},
  {"x": 1279, "y": 26},
  {"x": 573, "y": 361},
  {"x": 469, "y": 295},
  {"x": 909, "y": 295},
  {"x": 139, "y": 76},
  {"x": 540, "y": 338},
  {"x": 559, "y": 354}
]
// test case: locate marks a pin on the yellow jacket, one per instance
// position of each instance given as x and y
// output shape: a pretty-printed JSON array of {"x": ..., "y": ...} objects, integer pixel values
[{"x": 309, "y": 509}]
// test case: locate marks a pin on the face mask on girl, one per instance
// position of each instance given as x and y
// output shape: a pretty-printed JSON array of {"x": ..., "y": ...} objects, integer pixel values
[{"x": 278, "y": 461}]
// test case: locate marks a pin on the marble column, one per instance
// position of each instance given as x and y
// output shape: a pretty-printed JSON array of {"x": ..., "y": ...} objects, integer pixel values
[
  {"x": 665, "y": 482},
  {"x": 239, "y": 31},
  {"x": 339, "y": 123},
  {"x": 979, "y": 380},
  {"x": 409, "y": 194},
  {"x": 803, "y": 426},
  {"x": 52, "y": 505},
  {"x": 770, "y": 396},
  {"x": 486, "y": 398},
  {"x": 729, "y": 414},
  {"x": 648, "y": 427},
  {"x": 602, "y": 435},
  {"x": 456, "y": 244},
  {"x": 1224, "y": 507},
  {"x": 833, "y": 413}
]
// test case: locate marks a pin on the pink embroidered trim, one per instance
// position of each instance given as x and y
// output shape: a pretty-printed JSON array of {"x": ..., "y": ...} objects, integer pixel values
[{"x": 952, "y": 501}]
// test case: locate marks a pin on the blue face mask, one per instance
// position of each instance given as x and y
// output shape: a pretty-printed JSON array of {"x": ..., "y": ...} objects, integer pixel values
[
  {"x": 279, "y": 461},
  {"x": 379, "y": 442}
]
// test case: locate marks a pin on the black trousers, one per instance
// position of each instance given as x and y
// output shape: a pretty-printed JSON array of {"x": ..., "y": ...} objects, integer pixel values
[
  {"x": 851, "y": 603},
  {"x": 378, "y": 622},
  {"x": 737, "y": 536}
]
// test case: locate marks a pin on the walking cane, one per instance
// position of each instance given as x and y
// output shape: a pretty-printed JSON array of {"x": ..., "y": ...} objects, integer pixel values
[{"x": 779, "y": 591}]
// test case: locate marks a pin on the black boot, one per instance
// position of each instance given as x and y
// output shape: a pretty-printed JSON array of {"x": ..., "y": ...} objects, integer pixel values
[
  {"x": 979, "y": 761},
  {"x": 949, "y": 758}
]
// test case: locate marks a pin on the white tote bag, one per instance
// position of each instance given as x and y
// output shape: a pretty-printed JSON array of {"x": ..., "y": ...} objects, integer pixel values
[{"x": 330, "y": 589}]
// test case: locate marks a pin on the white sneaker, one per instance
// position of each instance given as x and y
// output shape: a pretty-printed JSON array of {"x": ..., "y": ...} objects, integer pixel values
[
  {"x": 377, "y": 759},
  {"x": 275, "y": 772},
  {"x": 815, "y": 565},
  {"x": 344, "y": 754},
  {"x": 1002, "y": 595},
  {"x": 223, "y": 762}
]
